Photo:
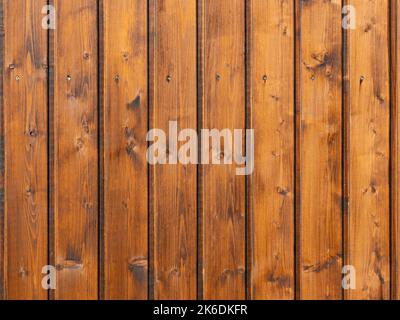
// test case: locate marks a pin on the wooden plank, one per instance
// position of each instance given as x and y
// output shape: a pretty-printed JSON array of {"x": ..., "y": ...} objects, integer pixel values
[
  {"x": 222, "y": 191},
  {"x": 2, "y": 258},
  {"x": 368, "y": 247},
  {"x": 25, "y": 128},
  {"x": 174, "y": 186},
  {"x": 75, "y": 149},
  {"x": 395, "y": 48},
  {"x": 272, "y": 117},
  {"x": 319, "y": 155},
  {"x": 125, "y": 165}
]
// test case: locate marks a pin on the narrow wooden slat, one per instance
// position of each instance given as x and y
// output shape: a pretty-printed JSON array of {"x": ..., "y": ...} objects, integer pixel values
[
  {"x": 272, "y": 118},
  {"x": 395, "y": 26},
  {"x": 102, "y": 262},
  {"x": 75, "y": 149},
  {"x": 368, "y": 247},
  {"x": 174, "y": 185},
  {"x": 125, "y": 165},
  {"x": 319, "y": 159},
  {"x": 223, "y": 192},
  {"x": 25, "y": 129},
  {"x": 2, "y": 276}
]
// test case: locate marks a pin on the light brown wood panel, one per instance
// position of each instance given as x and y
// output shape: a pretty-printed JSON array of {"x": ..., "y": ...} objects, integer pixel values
[
  {"x": 395, "y": 55},
  {"x": 222, "y": 191},
  {"x": 2, "y": 275},
  {"x": 25, "y": 129},
  {"x": 173, "y": 186},
  {"x": 319, "y": 155},
  {"x": 75, "y": 168},
  {"x": 125, "y": 165},
  {"x": 368, "y": 232},
  {"x": 272, "y": 117}
]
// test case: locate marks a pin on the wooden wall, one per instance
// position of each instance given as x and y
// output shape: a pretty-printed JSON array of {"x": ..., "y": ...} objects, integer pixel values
[{"x": 76, "y": 190}]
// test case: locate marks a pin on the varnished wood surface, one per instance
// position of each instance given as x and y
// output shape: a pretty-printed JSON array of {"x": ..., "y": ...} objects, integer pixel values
[
  {"x": 125, "y": 166},
  {"x": 319, "y": 153},
  {"x": 77, "y": 192},
  {"x": 75, "y": 168}
]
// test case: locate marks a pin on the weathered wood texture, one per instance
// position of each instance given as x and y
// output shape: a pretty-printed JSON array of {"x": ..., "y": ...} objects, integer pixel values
[
  {"x": 75, "y": 194},
  {"x": 76, "y": 189},
  {"x": 395, "y": 183},
  {"x": 271, "y": 191},
  {"x": 223, "y": 192},
  {"x": 319, "y": 157},
  {"x": 173, "y": 186},
  {"x": 125, "y": 166},
  {"x": 2, "y": 289},
  {"x": 25, "y": 149},
  {"x": 368, "y": 134}
]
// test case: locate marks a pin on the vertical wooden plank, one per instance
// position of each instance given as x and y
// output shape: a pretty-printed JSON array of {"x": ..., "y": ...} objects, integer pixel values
[
  {"x": 174, "y": 185},
  {"x": 2, "y": 258},
  {"x": 102, "y": 261},
  {"x": 75, "y": 149},
  {"x": 368, "y": 247},
  {"x": 25, "y": 129},
  {"x": 125, "y": 165},
  {"x": 272, "y": 118},
  {"x": 395, "y": 55},
  {"x": 223, "y": 192},
  {"x": 319, "y": 152}
]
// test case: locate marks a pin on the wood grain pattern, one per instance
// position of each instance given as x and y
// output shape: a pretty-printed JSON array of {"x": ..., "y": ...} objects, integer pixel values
[
  {"x": 174, "y": 186},
  {"x": 368, "y": 248},
  {"x": 77, "y": 192},
  {"x": 319, "y": 153},
  {"x": 25, "y": 128},
  {"x": 223, "y": 192},
  {"x": 2, "y": 258},
  {"x": 75, "y": 149},
  {"x": 395, "y": 55},
  {"x": 125, "y": 128},
  {"x": 272, "y": 118}
]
